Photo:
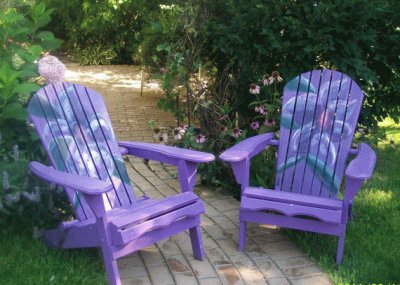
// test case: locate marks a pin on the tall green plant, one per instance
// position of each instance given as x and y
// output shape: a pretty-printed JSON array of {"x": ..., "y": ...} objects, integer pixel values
[{"x": 22, "y": 41}]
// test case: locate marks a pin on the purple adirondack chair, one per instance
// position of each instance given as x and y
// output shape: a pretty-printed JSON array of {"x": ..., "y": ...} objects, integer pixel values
[
  {"x": 75, "y": 129},
  {"x": 318, "y": 119}
]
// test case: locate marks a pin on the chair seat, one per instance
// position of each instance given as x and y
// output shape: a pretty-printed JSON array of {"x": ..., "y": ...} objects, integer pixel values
[
  {"x": 130, "y": 223},
  {"x": 292, "y": 204}
]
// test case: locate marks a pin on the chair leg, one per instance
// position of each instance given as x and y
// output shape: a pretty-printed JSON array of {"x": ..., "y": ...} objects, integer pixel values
[
  {"x": 197, "y": 243},
  {"x": 111, "y": 267},
  {"x": 242, "y": 235},
  {"x": 340, "y": 250}
]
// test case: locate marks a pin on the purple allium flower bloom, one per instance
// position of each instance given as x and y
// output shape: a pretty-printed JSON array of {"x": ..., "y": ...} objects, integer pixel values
[
  {"x": 236, "y": 133},
  {"x": 255, "y": 125},
  {"x": 254, "y": 89},
  {"x": 200, "y": 138},
  {"x": 51, "y": 69}
]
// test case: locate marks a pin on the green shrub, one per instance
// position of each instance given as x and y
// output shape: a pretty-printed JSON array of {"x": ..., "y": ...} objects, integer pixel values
[
  {"x": 118, "y": 25},
  {"x": 96, "y": 55},
  {"x": 229, "y": 44},
  {"x": 22, "y": 42}
]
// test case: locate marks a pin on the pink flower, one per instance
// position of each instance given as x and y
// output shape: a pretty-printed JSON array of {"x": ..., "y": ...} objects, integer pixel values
[
  {"x": 200, "y": 138},
  {"x": 266, "y": 80},
  {"x": 254, "y": 89},
  {"x": 255, "y": 125},
  {"x": 236, "y": 133},
  {"x": 270, "y": 123},
  {"x": 223, "y": 129},
  {"x": 260, "y": 109},
  {"x": 276, "y": 77},
  {"x": 178, "y": 133},
  {"x": 224, "y": 117},
  {"x": 51, "y": 69},
  {"x": 164, "y": 70}
]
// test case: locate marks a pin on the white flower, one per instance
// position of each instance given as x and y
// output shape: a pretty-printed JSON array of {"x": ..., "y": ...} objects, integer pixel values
[{"x": 51, "y": 69}]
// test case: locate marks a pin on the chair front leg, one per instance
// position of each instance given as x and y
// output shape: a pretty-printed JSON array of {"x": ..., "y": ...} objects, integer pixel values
[
  {"x": 187, "y": 174},
  {"x": 197, "y": 242}
]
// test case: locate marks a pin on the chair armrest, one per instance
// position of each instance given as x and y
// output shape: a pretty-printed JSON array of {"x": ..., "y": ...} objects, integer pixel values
[
  {"x": 240, "y": 154},
  {"x": 362, "y": 166},
  {"x": 247, "y": 148},
  {"x": 86, "y": 185},
  {"x": 163, "y": 153}
]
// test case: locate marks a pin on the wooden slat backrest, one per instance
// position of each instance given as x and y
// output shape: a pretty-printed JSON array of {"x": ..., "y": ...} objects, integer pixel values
[
  {"x": 76, "y": 132},
  {"x": 319, "y": 116}
]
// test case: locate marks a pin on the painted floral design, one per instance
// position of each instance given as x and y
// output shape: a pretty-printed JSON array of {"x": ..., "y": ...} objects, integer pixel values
[
  {"x": 79, "y": 145},
  {"x": 317, "y": 122}
]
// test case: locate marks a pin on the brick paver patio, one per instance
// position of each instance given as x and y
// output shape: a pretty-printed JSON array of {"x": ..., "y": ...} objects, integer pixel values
[{"x": 269, "y": 258}]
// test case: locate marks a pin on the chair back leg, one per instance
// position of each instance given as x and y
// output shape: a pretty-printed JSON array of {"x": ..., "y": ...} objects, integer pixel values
[
  {"x": 242, "y": 235},
  {"x": 340, "y": 249}
]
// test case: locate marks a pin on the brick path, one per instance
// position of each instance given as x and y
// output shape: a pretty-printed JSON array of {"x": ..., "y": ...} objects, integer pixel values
[{"x": 269, "y": 258}]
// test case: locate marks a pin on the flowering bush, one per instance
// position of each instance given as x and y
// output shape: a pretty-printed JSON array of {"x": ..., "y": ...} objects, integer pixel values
[
  {"x": 231, "y": 127},
  {"x": 23, "y": 195}
]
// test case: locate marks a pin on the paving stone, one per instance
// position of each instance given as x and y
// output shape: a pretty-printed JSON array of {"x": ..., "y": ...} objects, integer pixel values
[
  {"x": 168, "y": 248},
  {"x": 229, "y": 247},
  {"x": 228, "y": 273},
  {"x": 151, "y": 256},
  {"x": 224, "y": 222},
  {"x": 160, "y": 275},
  {"x": 211, "y": 211},
  {"x": 225, "y": 204},
  {"x": 320, "y": 280},
  {"x": 178, "y": 264},
  {"x": 243, "y": 262},
  {"x": 305, "y": 271},
  {"x": 202, "y": 268},
  {"x": 281, "y": 250},
  {"x": 268, "y": 268},
  {"x": 215, "y": 231},
  {"x": 252, "y": 276},
  {"x": 131, "y": 267},
  {"x": 216, "y": 256},
  {"x": 281, "y": 281},
  {"x": 210, "y": 281},
  {"x": 138, "y": 280},
  {"x": 295, "y": 262},
  {"x": 186, "y": 278}
]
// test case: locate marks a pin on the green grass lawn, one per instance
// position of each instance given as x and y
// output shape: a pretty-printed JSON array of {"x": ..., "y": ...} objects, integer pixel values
[
  {"x": 24, "y": 260},
  {"x": 372, "y": 248}
]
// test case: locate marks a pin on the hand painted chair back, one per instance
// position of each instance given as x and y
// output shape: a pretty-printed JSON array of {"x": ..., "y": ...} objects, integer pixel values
[
  {"x": 76, "y": 132},
  {"x": 319, "y": 116}
]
